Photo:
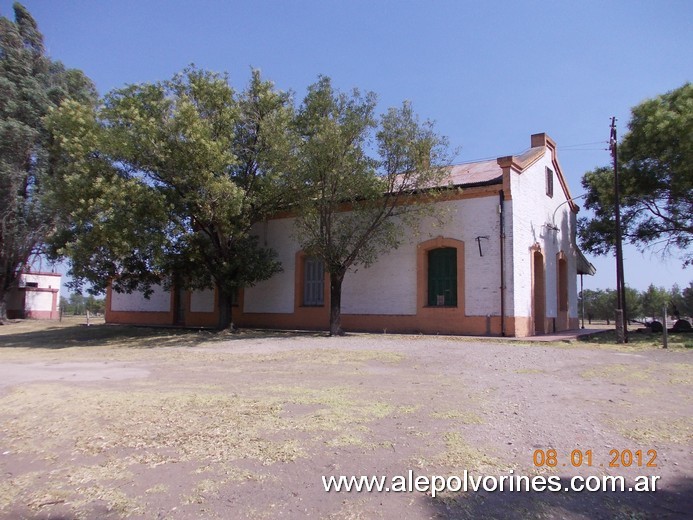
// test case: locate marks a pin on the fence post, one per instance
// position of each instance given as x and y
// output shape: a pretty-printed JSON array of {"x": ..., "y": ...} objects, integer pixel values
[{"x": 665, "y": 338}]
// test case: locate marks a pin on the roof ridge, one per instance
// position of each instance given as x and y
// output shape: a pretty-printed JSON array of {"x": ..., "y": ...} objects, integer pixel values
[{"x": 493, "y": 157}]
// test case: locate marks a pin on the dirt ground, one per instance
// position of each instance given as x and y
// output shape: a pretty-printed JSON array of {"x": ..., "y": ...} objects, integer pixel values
[{"x": 122, "y": 422}]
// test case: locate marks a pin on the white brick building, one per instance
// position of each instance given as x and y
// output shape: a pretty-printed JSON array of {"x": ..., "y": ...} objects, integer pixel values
[{"x": 505, "y": 263}]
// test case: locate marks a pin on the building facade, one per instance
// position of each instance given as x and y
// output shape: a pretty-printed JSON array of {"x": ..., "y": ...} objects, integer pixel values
[
  {"x": 504, "y": 264},
  {"x": 37, "y": 296}
]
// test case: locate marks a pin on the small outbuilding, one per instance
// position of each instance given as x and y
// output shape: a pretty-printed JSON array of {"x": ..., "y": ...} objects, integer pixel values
[{"x": 37, "y": 296}]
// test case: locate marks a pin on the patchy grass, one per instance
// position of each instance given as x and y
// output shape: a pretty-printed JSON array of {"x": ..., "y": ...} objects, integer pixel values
[
  {"x": 530, "y": 371},
  {"x": 332, "y": 356},
  {"x": 463, "y": 417},
  {"x": 647, "y": 430},
  {"x": 639, "y": 339},
  {"x": 163, "y": 426},
  {"x": 676, "y": 373},
  {"x": 459, "y": 455},
  {"x": 250, "y": 424},
  {"x": 618, "y": 372},
  {"x": 336, "y": 408},
  {"x": 152, "y": 427}
]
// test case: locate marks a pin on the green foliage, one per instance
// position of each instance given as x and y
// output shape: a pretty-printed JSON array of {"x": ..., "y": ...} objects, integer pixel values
[
  {"x": 653, "y": 301},
  {"x": 601, "y": 304},
  {"x": 656, "y": 173},
  {"x": 162, "y": 183},
  {"x": 78, "y": 304},
  {"x": 31, "y": 84},
  {"x": 357, "y": 203},
  {"x": 681, "y": 302},
  {"x": 686, "y": 305}
]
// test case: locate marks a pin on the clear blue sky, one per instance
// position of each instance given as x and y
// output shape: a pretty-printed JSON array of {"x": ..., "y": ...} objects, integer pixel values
[{"x": 490, "y": 73}]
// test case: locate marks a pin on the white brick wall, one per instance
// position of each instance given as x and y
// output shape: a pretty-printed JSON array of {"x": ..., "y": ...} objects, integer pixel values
[
  {"x": 275, "y": 295},
  {"x": 44, "y": 281},
  {"x": 202, "y": 301},
  {"x": 38, "y": 301},
  {"x": 532, "y": 222},
  {"x": 389, "y": 285},
  {"x": 386, "y": 287},
  {"x": 159, "y": 301}
]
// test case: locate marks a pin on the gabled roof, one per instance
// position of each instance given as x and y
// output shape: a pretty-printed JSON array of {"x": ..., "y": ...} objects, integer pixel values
[
  {"x": 480, "y": 173},
  {"x": 484, "y": 173},
  {"x": 489, "y": 172}
]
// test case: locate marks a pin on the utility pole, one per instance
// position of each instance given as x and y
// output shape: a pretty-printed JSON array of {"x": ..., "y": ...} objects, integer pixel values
[{"x": 621, "y": 316}]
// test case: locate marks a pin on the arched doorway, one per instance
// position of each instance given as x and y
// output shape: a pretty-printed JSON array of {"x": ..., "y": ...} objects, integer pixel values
[{"x": 538, "y": 293}]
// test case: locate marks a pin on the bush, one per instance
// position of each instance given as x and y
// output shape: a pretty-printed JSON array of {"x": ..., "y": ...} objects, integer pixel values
[
  {"x": 682, "y": 326},
  {"x": 656, "y": 326}
]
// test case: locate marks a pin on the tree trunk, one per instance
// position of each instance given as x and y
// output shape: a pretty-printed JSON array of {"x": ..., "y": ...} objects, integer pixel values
[
  {"x": 336, "y": 280},
  {"x": 3, "y": 309},
  {"x": 225, "y": 311}
]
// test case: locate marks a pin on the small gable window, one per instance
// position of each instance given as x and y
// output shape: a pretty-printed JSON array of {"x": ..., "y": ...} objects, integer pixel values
[
  {"x": 442, "y": 277},
  {"x": 549, "y": 182}
]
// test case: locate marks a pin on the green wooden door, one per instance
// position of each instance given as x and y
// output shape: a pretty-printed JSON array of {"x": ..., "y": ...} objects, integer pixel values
[{"x": 442, "y": 277}]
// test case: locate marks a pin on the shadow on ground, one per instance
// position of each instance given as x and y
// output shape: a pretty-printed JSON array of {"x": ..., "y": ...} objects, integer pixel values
[
  {"x": 128, "y": 336},
  {"x": 674, "y": 502}
]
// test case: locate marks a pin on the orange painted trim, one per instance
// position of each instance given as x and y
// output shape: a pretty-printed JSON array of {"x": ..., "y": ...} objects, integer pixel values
[
  {"x": 190, "y": 318},
  {"x": 55, "y": 307},
  {"x": 201, "y": 318},
  {"x": 455, "y": 193},
  {"x": 35, "y": 315},
  {"x": 428, "y": 320},
  {"x": 310, "y": 319},
  {"x": 446, "y": 322},
  {"x": 303, "y": 317},
  {"x": 299, "y": 279},
  {"x": 533, "y": 251},
  {"x": 422, "y": 250},
  {"x": 562, "y": 292},
  {"x": 139, "y": 317},
  {"x": 544, "y": 140},
  {"x": 521, "y": 326},
  {"x": 507, "y": 185},
  {"x": 472, "y": 193},
  {"x": 516, "y": 163}
]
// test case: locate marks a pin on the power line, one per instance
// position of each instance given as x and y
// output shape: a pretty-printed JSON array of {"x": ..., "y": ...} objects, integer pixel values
[
  {"x": 581, "y": 144},
  {"x": 584, "y": 150}
]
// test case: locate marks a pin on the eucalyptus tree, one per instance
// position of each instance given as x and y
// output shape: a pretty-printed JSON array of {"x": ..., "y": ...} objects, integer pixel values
[{"x": 31, "y": 84}]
